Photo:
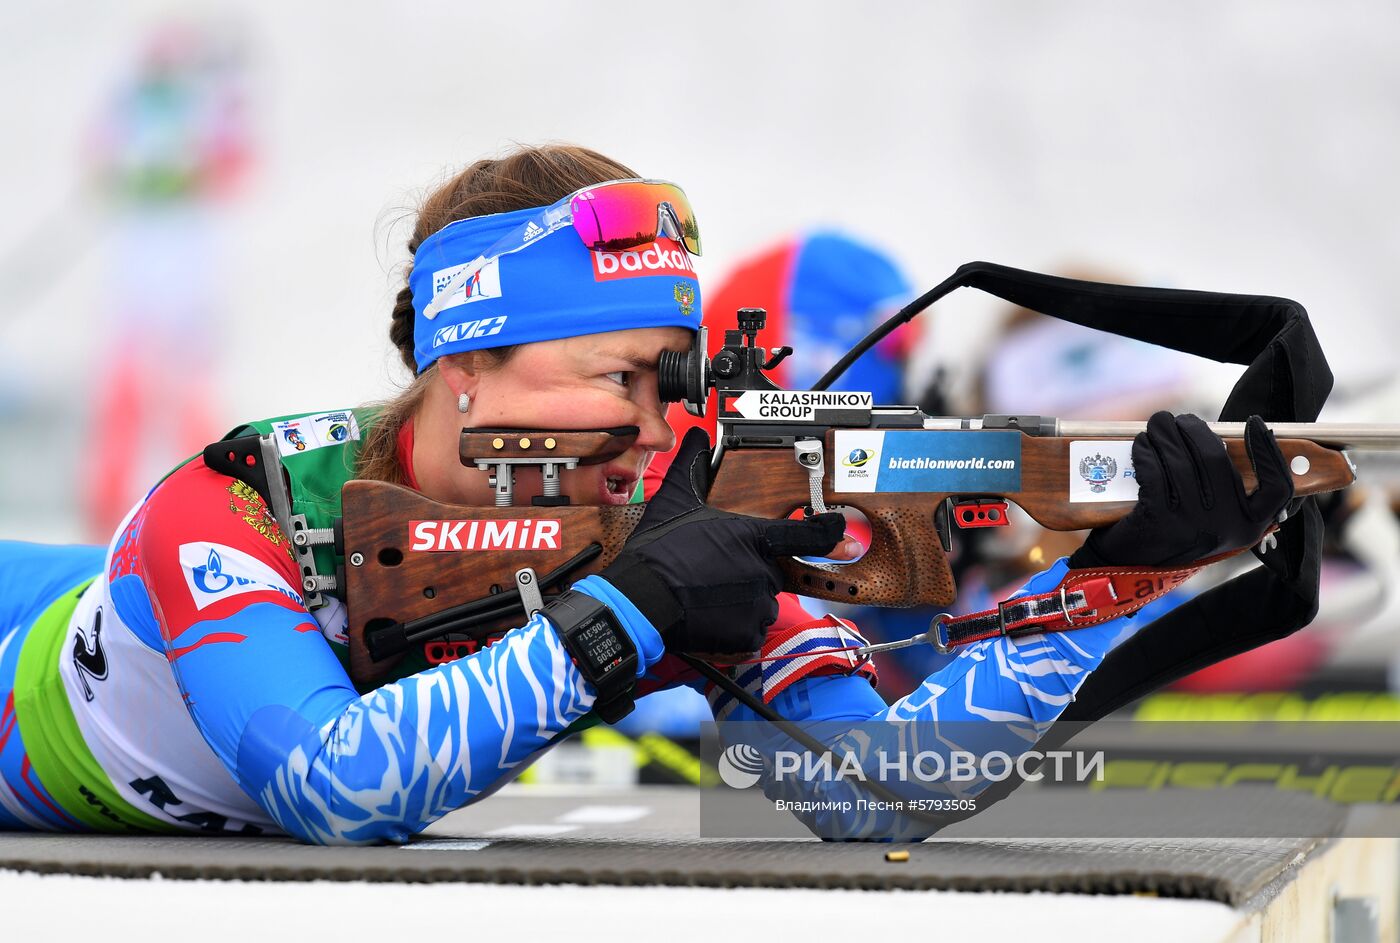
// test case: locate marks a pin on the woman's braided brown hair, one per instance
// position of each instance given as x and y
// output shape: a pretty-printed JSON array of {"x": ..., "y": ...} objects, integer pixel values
[{"x": 528, "y": 177}]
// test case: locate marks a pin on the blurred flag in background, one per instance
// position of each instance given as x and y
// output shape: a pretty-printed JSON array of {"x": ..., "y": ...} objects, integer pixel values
[{"x": 169, "y": 149}]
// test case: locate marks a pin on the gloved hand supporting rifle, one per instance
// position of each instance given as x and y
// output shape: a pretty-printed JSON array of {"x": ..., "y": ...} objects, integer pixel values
[
  {"x": 1191, "y": 500},
  {"x": 708, "y": 579}
]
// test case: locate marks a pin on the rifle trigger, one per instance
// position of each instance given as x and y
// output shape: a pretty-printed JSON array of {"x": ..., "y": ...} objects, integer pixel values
[
  {"x": 528, "y": 584},
  {"x": 943, "y": 523}
]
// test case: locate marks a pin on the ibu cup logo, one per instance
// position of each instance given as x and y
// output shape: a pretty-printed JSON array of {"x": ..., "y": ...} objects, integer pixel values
[
  {"x": 857, "y": 458},
  {"x": 1098, "y": 470},
  {"x": 740, "y": 765}
]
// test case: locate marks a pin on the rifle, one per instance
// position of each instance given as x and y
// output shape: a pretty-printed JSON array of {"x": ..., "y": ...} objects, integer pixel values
[{"x": 409, "y": 579}]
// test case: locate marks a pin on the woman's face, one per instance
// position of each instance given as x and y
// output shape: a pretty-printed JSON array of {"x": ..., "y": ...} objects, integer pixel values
[{"x": 593, "y": 381}]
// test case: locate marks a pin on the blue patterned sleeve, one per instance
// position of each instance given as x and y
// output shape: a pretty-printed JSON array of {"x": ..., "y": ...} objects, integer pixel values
[
  {"x": 1000, "y": 694},
  {"x": 333, "y": 767}
]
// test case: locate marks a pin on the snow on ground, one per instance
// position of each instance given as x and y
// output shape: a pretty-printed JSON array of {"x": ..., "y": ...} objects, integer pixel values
[{"x": 39, "y": 908}]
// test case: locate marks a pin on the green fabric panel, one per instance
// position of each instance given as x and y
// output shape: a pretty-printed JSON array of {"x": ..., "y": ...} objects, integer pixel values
[
  {"x": 53, "y": 739},
  {"x": 316, "y": 477}
]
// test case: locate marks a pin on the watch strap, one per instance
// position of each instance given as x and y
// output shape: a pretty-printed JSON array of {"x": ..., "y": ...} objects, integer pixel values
[{"x": 572, "y": 613}]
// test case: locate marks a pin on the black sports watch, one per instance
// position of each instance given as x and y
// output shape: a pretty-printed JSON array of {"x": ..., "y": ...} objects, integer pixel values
[{"x": 601, "y": 648}]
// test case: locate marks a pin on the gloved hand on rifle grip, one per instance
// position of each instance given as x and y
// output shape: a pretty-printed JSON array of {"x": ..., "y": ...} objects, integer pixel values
[
  {"x": 1191, "y": 499},
  {"x": 708, "y": 579}
]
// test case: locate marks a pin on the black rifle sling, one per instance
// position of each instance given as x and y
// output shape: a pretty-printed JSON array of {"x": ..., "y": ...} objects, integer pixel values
[{"x": 1286, "y": 379}]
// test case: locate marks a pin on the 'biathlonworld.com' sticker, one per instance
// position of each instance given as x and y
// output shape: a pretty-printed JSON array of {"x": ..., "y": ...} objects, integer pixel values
[{"x": 924, "y": 460}]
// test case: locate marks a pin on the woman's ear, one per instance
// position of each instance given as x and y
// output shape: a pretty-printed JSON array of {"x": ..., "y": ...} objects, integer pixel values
[{"x": 459, "y": 372}]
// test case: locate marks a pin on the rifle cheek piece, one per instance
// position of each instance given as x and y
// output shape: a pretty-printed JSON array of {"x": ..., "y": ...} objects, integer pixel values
[{"x": 499, "y": 451}]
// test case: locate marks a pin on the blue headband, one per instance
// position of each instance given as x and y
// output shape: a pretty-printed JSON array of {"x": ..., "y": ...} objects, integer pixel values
[{"x": 550, "y": 288}]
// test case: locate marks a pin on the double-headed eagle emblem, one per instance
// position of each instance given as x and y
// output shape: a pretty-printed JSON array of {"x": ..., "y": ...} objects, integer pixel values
[{"x": 1098, "y": 470}]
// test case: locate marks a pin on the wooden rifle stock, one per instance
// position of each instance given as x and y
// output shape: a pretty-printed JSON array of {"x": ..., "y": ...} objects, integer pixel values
[{"x": 399, "y": 570}]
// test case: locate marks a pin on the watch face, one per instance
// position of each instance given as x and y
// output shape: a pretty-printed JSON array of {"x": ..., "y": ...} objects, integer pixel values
[{"x": 596, "y": 640}]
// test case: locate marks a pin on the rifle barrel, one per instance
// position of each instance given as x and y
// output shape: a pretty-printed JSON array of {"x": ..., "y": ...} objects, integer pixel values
[{"x": 1381, "y": 436}]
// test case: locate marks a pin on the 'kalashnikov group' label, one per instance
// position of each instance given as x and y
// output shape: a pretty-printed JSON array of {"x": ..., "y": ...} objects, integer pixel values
[{"x": 800, "y": 405}]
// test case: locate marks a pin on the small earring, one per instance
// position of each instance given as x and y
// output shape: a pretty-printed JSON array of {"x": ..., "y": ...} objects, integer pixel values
[{"x": 464, "y": 403}]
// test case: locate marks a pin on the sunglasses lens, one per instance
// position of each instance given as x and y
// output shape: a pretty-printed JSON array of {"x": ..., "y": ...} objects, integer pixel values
[
  {"x": 627, "y": 215},
  {"x": 683, "y": 216}
]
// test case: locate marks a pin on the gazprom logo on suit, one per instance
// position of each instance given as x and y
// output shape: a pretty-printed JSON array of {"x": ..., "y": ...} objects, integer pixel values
[{"x": 214, "y": 572}]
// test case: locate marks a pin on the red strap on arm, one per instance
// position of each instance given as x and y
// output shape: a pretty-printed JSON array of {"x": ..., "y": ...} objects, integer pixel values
[{"x": 1083, "y": 598}]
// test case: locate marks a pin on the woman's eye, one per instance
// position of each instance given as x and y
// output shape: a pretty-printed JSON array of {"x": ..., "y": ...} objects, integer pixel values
[{"x": 621, "y": 377}]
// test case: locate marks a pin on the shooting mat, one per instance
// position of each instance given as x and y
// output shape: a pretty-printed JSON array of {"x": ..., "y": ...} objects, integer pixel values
[{"x": 645, "y": 836}]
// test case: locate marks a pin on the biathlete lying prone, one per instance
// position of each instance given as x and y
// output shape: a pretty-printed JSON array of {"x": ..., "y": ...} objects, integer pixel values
[{"x": 176, "y": 680}]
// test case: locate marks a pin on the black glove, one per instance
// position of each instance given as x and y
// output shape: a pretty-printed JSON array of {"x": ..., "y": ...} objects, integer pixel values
[
  {"x": 705, "y": 578},
  {"x": 1191, "y": 500}
]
